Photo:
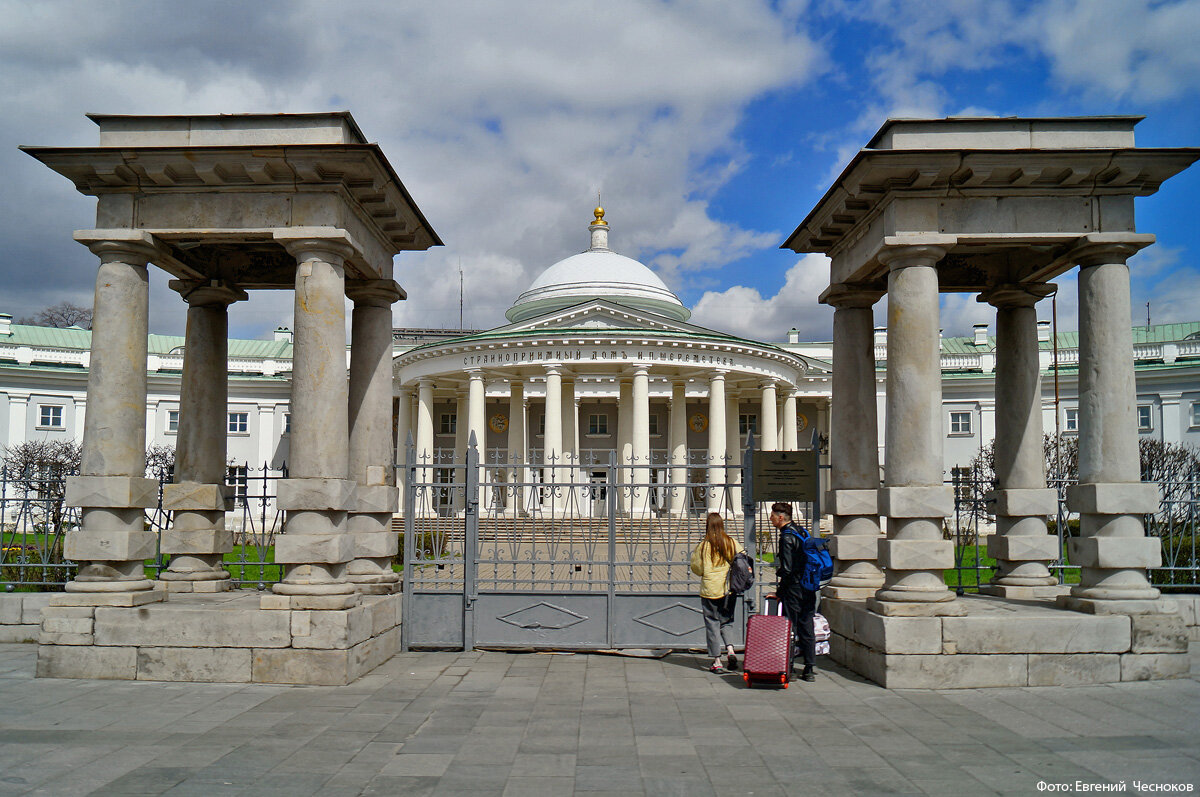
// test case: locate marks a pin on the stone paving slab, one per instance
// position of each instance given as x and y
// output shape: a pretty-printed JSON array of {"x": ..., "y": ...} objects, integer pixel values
[{"x": 524, "y": 725}]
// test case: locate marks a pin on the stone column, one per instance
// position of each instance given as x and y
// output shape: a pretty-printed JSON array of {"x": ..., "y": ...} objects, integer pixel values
[
  {"x": 424, "y": 449},
  {"x": 624, "y": 443},
  {"x": 768, "y": 423},
  {"x": 569, "y": 475},
  {"x": 679, "y": 448},
  {"x": 112, "y": 543},
  {"x": 914, "y": 498},
  {"x": 640, "y": 448},
  {"x": 370, "y": 416},
  {"x": 198, "y": 539},
  {"x": 716, "y": 441},
  {"x": 853, "y": 446},
  {"x": 1021, "y": 502},
  {"x": 517, "y": 452},
  {"x": 1112, "y": 548},
  {"x": 791, "y": 436},
  {"x": 316, "y": 546},
  {"x": 552, "y": 443},
  {"x": 477, "y": 426},
  {"x": 733, "y": 449},
  {"x": 404, "y": 416}
]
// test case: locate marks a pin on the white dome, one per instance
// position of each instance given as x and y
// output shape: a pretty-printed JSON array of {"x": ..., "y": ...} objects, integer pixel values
[{"x": 598, "y": 273}]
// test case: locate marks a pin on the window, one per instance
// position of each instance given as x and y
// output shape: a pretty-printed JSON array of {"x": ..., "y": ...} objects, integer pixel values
[
  {"x": 236, "y": 479},
  {"x": 50, "y": 416},
  {"x": 239, "y": 422},
  {"x": 747, "y": 424},
  {"x": 960, "y": 423},
  {"x": 542, "y": 425},
  {"x": 654, "y": 425},
  {"x": 287, "y": 423},
  {"x": 172, "y": 420},
  {"x": 1071, "y": 419},
  {"x": 598, "y": 424},
  {"x": 1144, "y": 418},
  {"x": 448, "y": 424},
  {"x": 961, "y": 478},
  {"x": 1196, "y": 413}
]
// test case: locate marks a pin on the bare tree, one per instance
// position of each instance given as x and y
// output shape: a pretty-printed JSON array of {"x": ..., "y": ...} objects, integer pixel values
[
  {"x": 62, "y": 315},
  {"x": 37, "y": 470},
  {"x": 160, "y": 462}
]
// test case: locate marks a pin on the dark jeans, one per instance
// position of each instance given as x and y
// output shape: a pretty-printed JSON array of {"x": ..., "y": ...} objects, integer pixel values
[
  {"x": 718, "y": 622},
  {"x": 800, "y": 605}
]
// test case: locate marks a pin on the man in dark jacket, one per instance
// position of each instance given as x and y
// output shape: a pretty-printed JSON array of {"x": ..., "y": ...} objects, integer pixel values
[{"x": 799, "y": 604}]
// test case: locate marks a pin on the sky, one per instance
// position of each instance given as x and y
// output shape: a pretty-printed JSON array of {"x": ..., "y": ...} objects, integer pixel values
[{"x": 710, "y": 128}]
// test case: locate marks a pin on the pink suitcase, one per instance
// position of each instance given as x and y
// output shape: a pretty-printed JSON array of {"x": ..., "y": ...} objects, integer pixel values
[{"x": 768, "y": 657}]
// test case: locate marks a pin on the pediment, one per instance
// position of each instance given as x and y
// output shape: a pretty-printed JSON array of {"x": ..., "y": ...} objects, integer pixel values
[{"x": 601, "y": 314}]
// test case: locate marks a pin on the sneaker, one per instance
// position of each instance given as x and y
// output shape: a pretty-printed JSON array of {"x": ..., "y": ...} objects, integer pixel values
[
  {"x": 717, "y": 669},
  {"x": 731, "y": 662}
]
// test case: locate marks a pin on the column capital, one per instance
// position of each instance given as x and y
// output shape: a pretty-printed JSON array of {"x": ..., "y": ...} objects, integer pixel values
[
  {"x": 924, "y": 250},
  {"x": 554, "y": 369},
  {"x": 850, "y": 295},
  {"x": 136, "y": 247},
  {"x": 641, "y": 370},
  {"x": 717, "y": 373},
  {"x": 374, "y": 293},
  {"x": 1018, "y": 294},
  {"x": 207, "y": 293},
  {"x": 1099, "y": 248},
  {"x": 768, "y": 384},
  {"x": 325, "y": 243}
]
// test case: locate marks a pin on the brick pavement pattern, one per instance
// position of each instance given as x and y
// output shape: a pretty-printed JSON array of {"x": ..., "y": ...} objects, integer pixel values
[{"x": 542, "y": 724}]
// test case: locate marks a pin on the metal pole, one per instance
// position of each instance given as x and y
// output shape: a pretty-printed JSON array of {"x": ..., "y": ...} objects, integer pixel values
[
  {"x": 748, "y": 518},
  {"x": 471, "y": 543},
  {"x": 409, "y": 540},
  {"x": 610, "y": 498}
]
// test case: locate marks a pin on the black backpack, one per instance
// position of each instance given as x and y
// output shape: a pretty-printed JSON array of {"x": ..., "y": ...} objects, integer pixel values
[{"x": 741, "y": 573}]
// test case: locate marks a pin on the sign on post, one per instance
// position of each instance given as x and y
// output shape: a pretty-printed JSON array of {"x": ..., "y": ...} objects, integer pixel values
[{"x": 785, "y": 476}]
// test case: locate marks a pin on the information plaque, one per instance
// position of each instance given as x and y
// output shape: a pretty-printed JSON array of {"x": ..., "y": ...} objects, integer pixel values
[{"x": 785, "y": 476}]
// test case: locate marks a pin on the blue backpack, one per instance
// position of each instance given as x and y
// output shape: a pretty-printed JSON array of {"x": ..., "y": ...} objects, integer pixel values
[{"x": 818, "y": 564}]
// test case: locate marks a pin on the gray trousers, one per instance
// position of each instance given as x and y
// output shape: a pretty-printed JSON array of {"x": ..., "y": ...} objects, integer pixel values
[{"x": 718, "y": 622}]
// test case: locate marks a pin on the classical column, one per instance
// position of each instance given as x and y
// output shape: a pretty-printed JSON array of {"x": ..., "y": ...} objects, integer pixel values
[
  {"x": 733, "y": 448},
  {"x": 791, "y": 436},
  {"x": 624, "y": 443},
  {"x": 458, "y": 457},
  {"x": 914, "y": 498},
  {"x": 853, "y": 446},
  {"x": 370, "y": 416},
  {"x": 768, "y": 424},
  {"x": 1112, "y": 548},
  {"x": 716, "y": 441},
  {"x": 404, "y": 428},
  {"x": 679, "y": 447},
  {"x": 477, "y": 426},
  {"x": 112, "y": 543},
  {"x": 1021, "y": 545},
  {"x": 424, "y": 449},
  {"x": 198, "y": 540},
  {"x": 569, "y": 475},
  {"x": 552, "y": 442},
  {"x": 640, "y": 443},
  {"x": 517, "y": 452},
  {"x": 316, "y": 546}
]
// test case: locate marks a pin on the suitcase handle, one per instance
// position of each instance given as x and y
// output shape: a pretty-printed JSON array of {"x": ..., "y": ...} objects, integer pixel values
[{"x": 767, "y": 604}]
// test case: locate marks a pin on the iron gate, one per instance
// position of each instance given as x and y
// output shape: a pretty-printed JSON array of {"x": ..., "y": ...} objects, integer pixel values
[{"x": 572, "y": 554}]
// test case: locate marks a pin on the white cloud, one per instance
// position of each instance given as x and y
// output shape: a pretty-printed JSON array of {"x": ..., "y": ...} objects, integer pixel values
[{"x": 502, "y": 120}]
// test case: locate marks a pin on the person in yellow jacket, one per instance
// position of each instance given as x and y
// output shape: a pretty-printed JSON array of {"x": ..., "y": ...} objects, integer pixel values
[{"x": 711, "y": 561}]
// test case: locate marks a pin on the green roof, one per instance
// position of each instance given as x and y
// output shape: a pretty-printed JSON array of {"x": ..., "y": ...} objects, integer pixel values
[
  {"x": 1158, "y": 333},
  {"x": 76, "y": 338}
]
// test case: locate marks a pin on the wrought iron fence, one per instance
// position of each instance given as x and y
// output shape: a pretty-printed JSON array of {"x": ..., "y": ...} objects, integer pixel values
[
  {"x": 1176, "y": 525},
  {"x": 34, "y": 521}
]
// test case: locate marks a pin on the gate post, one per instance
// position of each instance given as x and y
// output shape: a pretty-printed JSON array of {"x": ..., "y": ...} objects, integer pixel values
[
  {"x": 470, "y": 542},
  {"x": 749, "y": 538},
  {"x": 409, "y": 505},
  {"x": 610, "y": 498}
]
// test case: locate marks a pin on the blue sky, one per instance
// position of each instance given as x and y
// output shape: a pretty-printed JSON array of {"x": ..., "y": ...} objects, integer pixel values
[{"x": 710, "y": 127}]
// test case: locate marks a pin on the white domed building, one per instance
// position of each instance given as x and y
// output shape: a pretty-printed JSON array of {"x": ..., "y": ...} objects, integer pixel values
[{"x": 599, "y": 363}]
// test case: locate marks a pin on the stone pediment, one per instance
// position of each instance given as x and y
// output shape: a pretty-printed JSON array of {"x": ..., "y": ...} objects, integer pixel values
[{"x": 601, "y": 314}]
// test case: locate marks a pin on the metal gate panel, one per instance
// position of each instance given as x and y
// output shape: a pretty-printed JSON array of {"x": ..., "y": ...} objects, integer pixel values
[{"x": 542, "y": 620}]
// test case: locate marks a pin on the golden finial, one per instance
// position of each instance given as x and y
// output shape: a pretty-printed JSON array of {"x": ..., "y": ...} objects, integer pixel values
[{"x": 599, "y": 213}]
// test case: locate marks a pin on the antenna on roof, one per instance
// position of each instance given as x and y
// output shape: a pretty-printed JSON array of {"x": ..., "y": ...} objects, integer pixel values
[
  {"x": 1147, "y": 315},
  {"x": 460, "y": 295}
]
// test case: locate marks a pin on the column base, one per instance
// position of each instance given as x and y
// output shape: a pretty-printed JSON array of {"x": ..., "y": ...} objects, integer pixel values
[
  {"x": 1097, "y": 606},
  {"x": 375, "y": 584},
  {"x": 198, "y": 585},
  {"x": 849, "y": 593},
  {"x": 1024, "y": 593},
  {"x": 140, "y": 598},
  {"x": 944, "y": 607},
  {"x": 135, "y": 585},
  {"x": 1133, "y": 593}
]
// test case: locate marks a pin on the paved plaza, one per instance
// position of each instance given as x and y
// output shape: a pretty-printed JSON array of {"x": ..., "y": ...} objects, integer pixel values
[{"x": 543, "y": 724}]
